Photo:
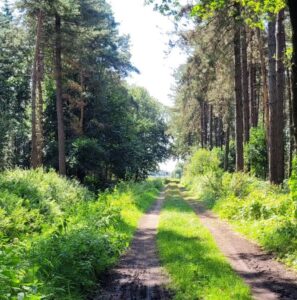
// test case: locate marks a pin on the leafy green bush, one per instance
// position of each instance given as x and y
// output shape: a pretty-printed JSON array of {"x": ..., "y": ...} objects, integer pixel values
[
  {"x": 56, "y": 238},
  {"x": 204, "y": 175},
  {"x": 255, "y": 152}
]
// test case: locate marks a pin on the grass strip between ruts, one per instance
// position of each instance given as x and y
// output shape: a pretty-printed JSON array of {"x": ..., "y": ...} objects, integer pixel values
[{"x": 197, "y": 268}]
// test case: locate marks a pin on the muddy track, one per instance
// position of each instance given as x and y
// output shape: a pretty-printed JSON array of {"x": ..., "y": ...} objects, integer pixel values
[
  {"x": 139, "y": 274},
  {"x": 267, "y": 278}
]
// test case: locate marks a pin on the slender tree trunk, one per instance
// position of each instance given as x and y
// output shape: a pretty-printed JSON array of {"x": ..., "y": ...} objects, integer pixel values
[
  {"x": 216, "y": 130},
  {"x": 206, "y": 124},
  {"x": 264, "y": 80},
  {"x": 293, "y": 16},
  {"x": 40, "y": 137},
  {"x": 226, "y": 159},
  {"x": 291, "y": 125},
  {"x": 238, "y": 97},
  {"x": 202, "y": 123},
  {"x": 36, "y": 156},
  {"x": 281, "y": 90},
  {"x": 245, "y": 88},
  {"x": 273, "y": 114},
  {"x": 252, "y": 85},
  {"x": 210, "y": 127},
  {"x": 60, "y": 115}
]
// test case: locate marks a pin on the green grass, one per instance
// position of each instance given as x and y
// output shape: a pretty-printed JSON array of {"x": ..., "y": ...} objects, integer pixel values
[
  {"x": 57, "y": 238},
  {"x": 187, "y": 250},
  {"x": 262, "y": 212}
]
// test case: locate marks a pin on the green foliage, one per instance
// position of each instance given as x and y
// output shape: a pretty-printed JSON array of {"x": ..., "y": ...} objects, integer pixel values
[
  {"x": 255, "y": 152},
  {"x": 56, "y": 239},
  {"x": 202, "y": 162},
  {"x": 190, "y": 255},
  {"x": 261, "y": 211},
  {"x": 14, "y": 92},
  {"x": 202, "y": 173},
  {"x": 293, "y": 180}
]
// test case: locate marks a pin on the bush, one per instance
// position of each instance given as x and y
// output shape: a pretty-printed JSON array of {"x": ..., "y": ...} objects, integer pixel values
[
  {"x": 56, "y": 238},
  {"x": 255, "y": 152},
  {"x": 261, "y": 211}
]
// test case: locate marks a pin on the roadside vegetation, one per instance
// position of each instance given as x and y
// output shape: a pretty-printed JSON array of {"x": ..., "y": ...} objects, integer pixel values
[
  {"x": 57, "y": 238},
  {"x": 263, "y": 212},
  {"x": 189, "y": 253}
]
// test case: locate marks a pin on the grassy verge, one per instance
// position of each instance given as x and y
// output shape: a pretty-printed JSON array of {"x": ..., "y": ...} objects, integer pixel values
[
  {"x": 189, "y": 253},
  {"x": 57, "y": 238},
  {"x": 260, "y": 211}
]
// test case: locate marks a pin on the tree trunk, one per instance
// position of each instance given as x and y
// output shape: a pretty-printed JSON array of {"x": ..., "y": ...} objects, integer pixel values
[
  {"x": 265, "y": 85},
  {"x": 238, "y": 97},
  {"x": 36, "y": 156},
  {"x": 205, "y": 112},
  {"x": 59, "y": 100},
  {"x": 202, "y": 123},
  {"x": 273, "y": 115},
  {"x": 291, "y": 125},
  {"x": 210, "y": 127},
  {"x": 281, "y": 89},
  {"x": 221, "y": 131},
  {"x": 226, "y": 159},
  {"x": 245, "y": 88},
  {"x": 252, "y": 85},
  {"x": 293, "y": 16}
]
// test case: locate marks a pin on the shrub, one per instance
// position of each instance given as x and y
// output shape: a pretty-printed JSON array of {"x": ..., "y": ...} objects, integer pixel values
[
  {"x": 255, "y": 152},
  {"x": 261, "y": 211},
  {"x": 56, "y": 238}
]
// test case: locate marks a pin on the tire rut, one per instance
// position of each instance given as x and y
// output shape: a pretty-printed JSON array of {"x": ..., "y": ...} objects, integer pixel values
[
  {"x": 268, "y": 279},
  {"x": 139, "y": 274}
]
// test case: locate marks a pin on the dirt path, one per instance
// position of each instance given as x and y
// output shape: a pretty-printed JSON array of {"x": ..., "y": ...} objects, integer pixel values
[
  {"x": 268, "y": 278},
  {"x": 138, "y": 274}
]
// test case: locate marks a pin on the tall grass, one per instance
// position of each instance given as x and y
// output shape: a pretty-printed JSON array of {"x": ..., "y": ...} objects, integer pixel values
[
  {"x": 261, "y": 211},
  {"x": 57, "y": 238}
]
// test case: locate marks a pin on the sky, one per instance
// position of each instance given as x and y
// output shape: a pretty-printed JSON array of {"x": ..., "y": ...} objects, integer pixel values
[{"x": 149, "y": 37}]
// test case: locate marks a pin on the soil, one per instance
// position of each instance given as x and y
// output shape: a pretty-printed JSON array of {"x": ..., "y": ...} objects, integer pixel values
[
  {"x": 139, "y": 274},
  {"x": 268, "y": 278}
]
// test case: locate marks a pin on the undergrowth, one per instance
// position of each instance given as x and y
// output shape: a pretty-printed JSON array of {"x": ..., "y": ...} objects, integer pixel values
[
  {"x": 190, "y": 255},
  {"x": 261, "y": 211},
  {"x": 57, "y": 238}
]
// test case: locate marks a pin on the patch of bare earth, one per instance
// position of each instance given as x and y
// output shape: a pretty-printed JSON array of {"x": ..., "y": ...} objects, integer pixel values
[
  {"x": 267, "y": 278},
  {"x": 139, "y": 274}
]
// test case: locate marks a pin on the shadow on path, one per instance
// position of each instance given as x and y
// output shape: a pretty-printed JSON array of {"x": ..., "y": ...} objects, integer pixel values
[
  {"x": 139, "y": 275},
  {"x": 267, "y": 278}
]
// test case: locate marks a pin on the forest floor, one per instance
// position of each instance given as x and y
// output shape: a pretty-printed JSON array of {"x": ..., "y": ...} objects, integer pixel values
[{"x": 139, "y": 274}]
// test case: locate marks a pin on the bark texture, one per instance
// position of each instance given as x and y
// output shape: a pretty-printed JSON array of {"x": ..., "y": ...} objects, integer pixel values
[
  {"x": 59, "y": 100},
  {"x": 238, "y": 97}
]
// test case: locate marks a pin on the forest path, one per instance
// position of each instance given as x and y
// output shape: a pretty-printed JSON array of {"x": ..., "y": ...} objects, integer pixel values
[
  {"x": 139, "y": 275},
  {"x": 267, "y": 278}
]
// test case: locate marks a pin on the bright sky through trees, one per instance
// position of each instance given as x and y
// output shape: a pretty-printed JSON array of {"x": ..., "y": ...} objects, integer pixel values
[{"x": 148, "y": 32}]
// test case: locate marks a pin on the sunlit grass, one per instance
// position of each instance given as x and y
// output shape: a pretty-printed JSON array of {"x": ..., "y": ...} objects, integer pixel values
[{"x": 187, "y": 250}]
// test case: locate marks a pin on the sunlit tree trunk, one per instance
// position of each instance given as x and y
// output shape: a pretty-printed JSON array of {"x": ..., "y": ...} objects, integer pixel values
[
  {"x": 210, "y": 127},
  {"x": 293, "y": 16},
  {"x": 281, "y": 89},
  {"x": 273, "y": 115},
  {"x": 36, "y": 154},
  {"x": 59, "y": 100},
  {"x": 238, "y": 97},
  {"x": 245, "y": 88},
  {"x": 264, "y": 82},
  {"x": 226, "y": 158}
]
